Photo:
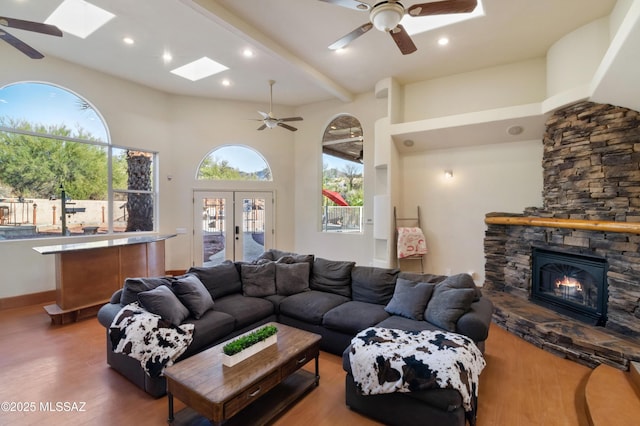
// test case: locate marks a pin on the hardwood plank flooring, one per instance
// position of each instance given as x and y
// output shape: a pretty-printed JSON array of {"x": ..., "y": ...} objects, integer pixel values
[{"x": 45, "y": 364}]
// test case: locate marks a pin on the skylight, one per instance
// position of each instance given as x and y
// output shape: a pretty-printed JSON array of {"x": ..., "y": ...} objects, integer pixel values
[
  {"x": 199, "y": 69},
  {"x": 420, "y": 24},
  {"x": 79, "y": 18}
]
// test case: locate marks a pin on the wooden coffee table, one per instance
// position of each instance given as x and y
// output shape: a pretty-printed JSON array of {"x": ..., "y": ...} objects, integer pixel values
[{"x": 251, "y": 392}]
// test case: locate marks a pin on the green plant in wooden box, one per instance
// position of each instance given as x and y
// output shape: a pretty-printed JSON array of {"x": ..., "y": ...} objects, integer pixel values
[{"x": 248, "y": 340}]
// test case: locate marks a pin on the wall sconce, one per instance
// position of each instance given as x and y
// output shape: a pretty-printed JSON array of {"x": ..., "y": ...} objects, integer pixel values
[{"x": 448, "y": 174}]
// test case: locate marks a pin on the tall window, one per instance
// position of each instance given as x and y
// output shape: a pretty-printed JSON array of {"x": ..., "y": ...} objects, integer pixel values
[
  {"x": 60, "y": 175},
  {"x": 342, "y": 175},
  {"x": 234, "y": 162}
]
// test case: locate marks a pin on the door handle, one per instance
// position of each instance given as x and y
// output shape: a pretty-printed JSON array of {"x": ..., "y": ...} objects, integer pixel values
[{"x": 237, "y": 232}]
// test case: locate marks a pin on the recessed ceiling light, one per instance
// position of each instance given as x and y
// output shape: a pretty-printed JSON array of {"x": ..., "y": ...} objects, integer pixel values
[
  {"x": 248, "y": 53},
  {"x": 199, "y": 69},
  {"x": 167, "y": 57},
  {"x": 515, "y": 130},
  {"x": 419, "y": 24},
  {"x": 443, "y": 41},
  {"x": 341, "y": 51},
  {"x": 128, "y": 40},
  {"x": 226, "y": 82},
  {"x": 79, "y": 18}
]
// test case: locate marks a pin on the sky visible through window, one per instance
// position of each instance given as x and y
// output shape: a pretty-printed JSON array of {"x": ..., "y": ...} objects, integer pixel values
[{"x": 51, "y": 106}]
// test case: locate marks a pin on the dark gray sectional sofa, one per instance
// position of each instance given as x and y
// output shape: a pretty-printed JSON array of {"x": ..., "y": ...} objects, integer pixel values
[{"x": 335, "y": 299}]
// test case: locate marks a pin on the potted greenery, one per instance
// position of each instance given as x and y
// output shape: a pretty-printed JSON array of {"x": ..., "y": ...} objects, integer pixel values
[{"x": 248, "y": 344}]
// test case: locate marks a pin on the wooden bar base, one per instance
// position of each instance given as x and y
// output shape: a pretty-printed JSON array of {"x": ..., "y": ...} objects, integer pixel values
[{"x": 61, "y": 316}]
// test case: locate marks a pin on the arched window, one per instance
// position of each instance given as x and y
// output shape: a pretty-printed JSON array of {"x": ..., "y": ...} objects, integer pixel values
[
  {"x": 234, "y": 162},
  {"x": 60, "y": 174},
  {"x": 342, "y": 175}
]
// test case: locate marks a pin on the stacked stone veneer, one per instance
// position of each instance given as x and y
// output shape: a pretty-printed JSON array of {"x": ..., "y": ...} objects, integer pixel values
[{"x": 591, "y": 171}]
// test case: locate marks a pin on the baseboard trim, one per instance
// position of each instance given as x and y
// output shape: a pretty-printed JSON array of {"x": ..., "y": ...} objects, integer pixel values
[{"x": 42, "y": 297}]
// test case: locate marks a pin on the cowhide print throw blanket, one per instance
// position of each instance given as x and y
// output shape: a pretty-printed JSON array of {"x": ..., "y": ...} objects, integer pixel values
[
  {"x": 153, "y": 341},
  {"x": 385, "y": 360}
]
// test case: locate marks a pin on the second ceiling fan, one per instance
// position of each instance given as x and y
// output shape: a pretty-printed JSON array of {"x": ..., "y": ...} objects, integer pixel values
[
  {"x": 268, "y": 119},
  {"x": 386, "y": 16}
]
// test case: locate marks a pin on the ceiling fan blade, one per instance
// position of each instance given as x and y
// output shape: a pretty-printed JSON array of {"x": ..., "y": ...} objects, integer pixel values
[
  {"x": 20, "y": 45},
  {"x": 350, "y": 4},
  {"x": 36, "y": 27},
  {"x": 263, "y": 114},
  {"x": 264, "y": 126},
  {"x": 443, "y": 7},
  {"x": 344, "y": 41},
  {"x": 291, "y": 119},
  {"x": 403, "y": 40},
  {"x": 286, "y": 126}
]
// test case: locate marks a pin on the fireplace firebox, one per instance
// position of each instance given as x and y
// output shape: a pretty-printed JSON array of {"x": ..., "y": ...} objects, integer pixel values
[{"x": 572, "y": 284}]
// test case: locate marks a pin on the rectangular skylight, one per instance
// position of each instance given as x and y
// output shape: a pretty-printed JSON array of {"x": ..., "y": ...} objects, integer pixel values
[
  {"x": 79, "y": 18},
  {"x": 201, "y": 68}
]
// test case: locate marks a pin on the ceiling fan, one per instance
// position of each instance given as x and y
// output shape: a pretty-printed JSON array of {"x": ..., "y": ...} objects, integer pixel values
[
  {"x": 36, "y": 27},
  {"x": 269, "y": 121},
  {"x": 386, "y": 16}
]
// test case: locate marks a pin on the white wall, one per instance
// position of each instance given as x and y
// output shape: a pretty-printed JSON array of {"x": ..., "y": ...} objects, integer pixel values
[
  {"x": 308, "y": 176},
  {"x": 490, "y": 178},
  {"x": 496, "y": 87}
]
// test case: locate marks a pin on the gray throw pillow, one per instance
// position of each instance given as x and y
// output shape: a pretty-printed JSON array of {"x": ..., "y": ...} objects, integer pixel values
[
  {"x": 373, "y": 285},
  {"x": 331, "y": 276},
  {"x": 133, "y": 286},
  {"x": 292, "y": 278},
  {"x": 451, "y": 299},
  {"x": 410, "y": 299},
  {"x": 258, "y": 280},
  {"x": 193, "y": 294},
  {"x": 221, "y": 279},
  {"x": 161, "y": 301}
]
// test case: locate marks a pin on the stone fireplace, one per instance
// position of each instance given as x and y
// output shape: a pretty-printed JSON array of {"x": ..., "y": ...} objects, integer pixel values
[
  {"x": 591, "y": 210},
  {"x": 571, "y": 284}
]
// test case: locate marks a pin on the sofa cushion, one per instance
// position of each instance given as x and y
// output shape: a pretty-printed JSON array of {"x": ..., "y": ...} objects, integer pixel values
[
  {"x": 332, "y": 276},
  {"x": 210, "y": 327},
  {"x": 373, "y": 285},
  {"x": 246, "y": 310},
  {"x": 161, "y": 301},
  {"x": 310, "y": 306},
  {"x": 410, "y": 299},
  {"x": 354, "y": 316},
  {"x": 451, "y": 299},
  {"x": 422, "y": 278},
  {"x": 193, "y": 294},
  {"x": 258, "y": 280},
  {"x": 133, "y": 286},
  {"x": 292, "y": 278},
  {"x": 220, "y": 279},
  {"x": 401, "y": 323}
]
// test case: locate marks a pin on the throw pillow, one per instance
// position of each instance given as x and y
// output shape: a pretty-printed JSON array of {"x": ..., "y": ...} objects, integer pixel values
[
  {"x": 258, "y": 280},
  {"x": 373, "y": 285},
  {"x": 193, "y": 294},
  {"x": 451, "y": 299},
  {"x": 332, "y": 276},
  {"x": 161, "y": 301},
  {"x": 410, "y": 299},
  {"x": 133, "y": 286},
  {"x": 221, "y": 279},
  {"x": 292, "y": 278}
]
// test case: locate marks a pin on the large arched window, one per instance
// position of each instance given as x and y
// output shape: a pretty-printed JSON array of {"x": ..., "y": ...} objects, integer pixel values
[
  {"x": 60, "y": 174},
  {"x": 234, "y": 162},
  {"x": 342, "y": 175}
]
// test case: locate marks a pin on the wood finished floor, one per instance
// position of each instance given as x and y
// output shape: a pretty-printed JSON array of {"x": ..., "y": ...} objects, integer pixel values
[{"x": 45, "y": 364}]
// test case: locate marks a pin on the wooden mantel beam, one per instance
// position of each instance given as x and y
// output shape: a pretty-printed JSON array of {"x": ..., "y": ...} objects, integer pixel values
[{"x": 590, "y": 225}]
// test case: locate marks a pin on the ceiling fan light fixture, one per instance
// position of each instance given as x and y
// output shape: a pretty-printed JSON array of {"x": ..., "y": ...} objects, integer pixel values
[{"x": 386, "y": 16}]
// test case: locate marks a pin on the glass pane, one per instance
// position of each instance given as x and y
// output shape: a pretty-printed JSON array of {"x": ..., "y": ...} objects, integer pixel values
[
  {"x": 45, "y": 107},
  {"x": 253, "y": 221},
  {"x": 214, "y": 216},
  {"x": 234, "y": 162},
  {"x": 133, "y": 212}
]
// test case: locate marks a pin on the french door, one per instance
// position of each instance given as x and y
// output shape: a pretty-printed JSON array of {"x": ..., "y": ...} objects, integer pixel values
[{"x": 231, "y": 225}]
